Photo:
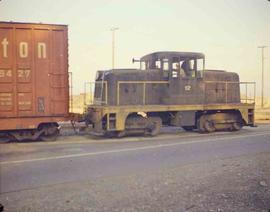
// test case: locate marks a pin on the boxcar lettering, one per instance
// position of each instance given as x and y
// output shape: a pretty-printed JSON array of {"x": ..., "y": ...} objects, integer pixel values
[
  {"x": 24, "y": 73},
  {"x": 42, "y": 53},
  {"x": 5, "y": 94},
  {"x": 5, "y": 99},
  {"x": 2, "y": 73},
  {"x": 23, "y": 49},
  {"x": 24, "y": 103},
  {"x": 5, "y": 73},
  {"x": 5, "y": 103},
  {"x": 8, "y": 73},
  {"x": 5, "y": 45}
]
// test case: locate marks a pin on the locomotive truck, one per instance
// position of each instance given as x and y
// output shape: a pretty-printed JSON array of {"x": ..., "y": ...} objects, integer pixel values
[{"x": 171, "y": 89}]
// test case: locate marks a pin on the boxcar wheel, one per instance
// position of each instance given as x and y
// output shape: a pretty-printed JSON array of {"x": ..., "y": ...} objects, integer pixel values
[
  {"x": 51, "y": 137},
  {"x": 6, "y": 138},
  {"x": 50, "y": 132}
]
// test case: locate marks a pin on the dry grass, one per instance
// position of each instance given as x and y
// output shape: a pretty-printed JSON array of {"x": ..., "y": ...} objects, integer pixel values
[
  {"x": 262, "y": 115},
  {"x": 79, "y": 102}
]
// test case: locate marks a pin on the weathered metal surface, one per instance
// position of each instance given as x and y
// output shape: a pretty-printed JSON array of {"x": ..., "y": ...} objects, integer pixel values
[
  {"x": 183, "y": 118},
  {"x": 33, "y": 74},
  {"x": 168, "y": 78},
  {"x": 220, "y": 121},
  {"x": 170, "y": 85},
  {"x": 122, "y": 112}
]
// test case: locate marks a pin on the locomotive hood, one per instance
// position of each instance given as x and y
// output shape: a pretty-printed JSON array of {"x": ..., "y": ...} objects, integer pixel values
[
  {"x": 220, "y": 75},
  {"x": 128, "y": 75}
]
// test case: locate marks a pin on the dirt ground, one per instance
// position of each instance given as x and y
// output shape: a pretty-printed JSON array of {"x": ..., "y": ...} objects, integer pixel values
[{"x": 262, "y": 115}]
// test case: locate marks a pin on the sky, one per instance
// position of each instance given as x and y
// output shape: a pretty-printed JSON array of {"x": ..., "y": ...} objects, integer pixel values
[{"x": 228, "y": 32}]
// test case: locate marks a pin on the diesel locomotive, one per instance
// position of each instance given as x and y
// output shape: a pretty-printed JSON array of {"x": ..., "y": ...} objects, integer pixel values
[{"x": 169, "y": 89}]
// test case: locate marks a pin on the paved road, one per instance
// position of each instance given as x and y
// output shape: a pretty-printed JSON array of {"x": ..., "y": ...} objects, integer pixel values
[{"x": 66, "y": 167}]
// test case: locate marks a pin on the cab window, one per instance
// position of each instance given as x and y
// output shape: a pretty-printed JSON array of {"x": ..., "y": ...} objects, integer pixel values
[
  {"x": 158, "y": 64},
  {"x": 165, "y": 68},
  {"x": 175, "y": 66},
  {"x": 143, "y": 65},
  {"x": 192, "y": 69},
  {"x": 165, "y": 64},
  {"x": 200, "y": 64},
  {"x": 188, "y": 68}
]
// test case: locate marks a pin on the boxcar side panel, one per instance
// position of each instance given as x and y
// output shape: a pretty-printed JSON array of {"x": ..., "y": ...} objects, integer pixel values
[
  {"x": 59, "y": 77},
  {"x": 42, "y": 69},
  {"x": 33, "y": 72},
  {"x": 7, "y": 74},
  {"x": 24, "y": 72}
]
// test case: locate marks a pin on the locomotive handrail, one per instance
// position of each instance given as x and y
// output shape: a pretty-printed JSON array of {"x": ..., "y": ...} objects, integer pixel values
[
  {"x": 103, "y": 99},
  {"x": 144, "y": 83},
  {"x": 92, "y": 94}
]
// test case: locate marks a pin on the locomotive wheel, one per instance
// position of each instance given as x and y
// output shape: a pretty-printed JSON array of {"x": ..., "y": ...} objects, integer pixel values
[
  {"x": 205, "y": 124},
  {"x": 110, "y": 134},
  {"x": 200, "y": 125},
  {"x": 120, "y": 134},
  {"x": 209, "y": 126},
  {"x": 236, "y": 126},
  {"x": 143, "y": 125},
  {"x": 115, "y": 134},
  {"x": 154, "y": 127},
  {"x": 219, "y": 122}
]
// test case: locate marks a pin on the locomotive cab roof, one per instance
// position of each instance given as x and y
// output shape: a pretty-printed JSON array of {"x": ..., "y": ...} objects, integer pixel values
[
  {"x": 172, "y": 60},
  {"x": 171, "y": 55}
]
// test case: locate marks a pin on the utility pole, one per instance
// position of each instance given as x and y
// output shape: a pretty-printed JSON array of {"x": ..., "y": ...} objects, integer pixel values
[
  {"x": 262, "y": 48},
  {"x": 113, "y": 29}
]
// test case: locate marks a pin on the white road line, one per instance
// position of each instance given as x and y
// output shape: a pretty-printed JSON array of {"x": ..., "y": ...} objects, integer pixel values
[{"x": 131, "y": 149}]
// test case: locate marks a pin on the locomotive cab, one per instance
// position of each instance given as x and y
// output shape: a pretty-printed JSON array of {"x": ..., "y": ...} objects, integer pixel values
[
  {"x": 182, "y": 70},
  {"x": 175, "y": 64}
]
